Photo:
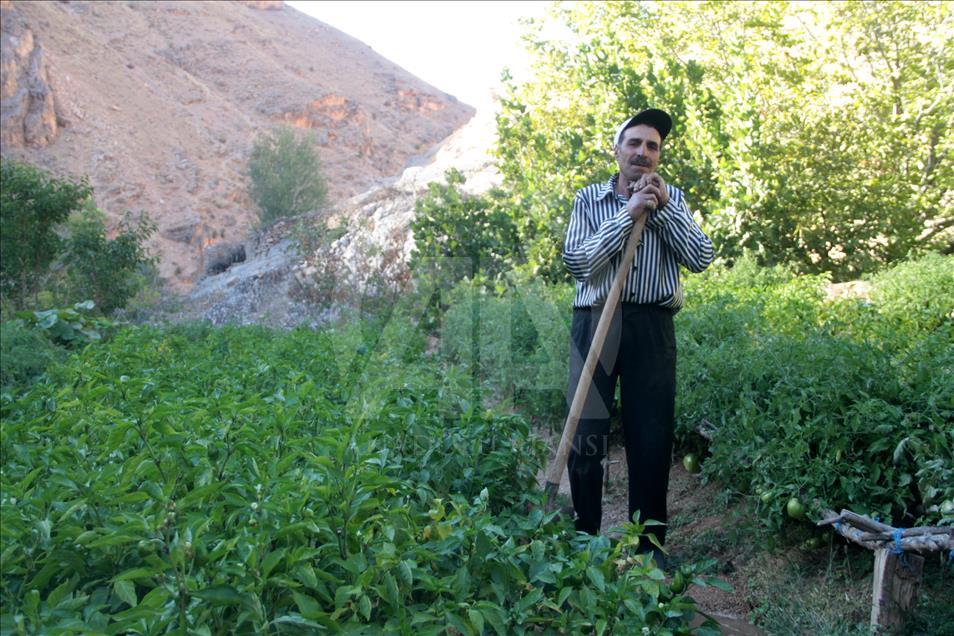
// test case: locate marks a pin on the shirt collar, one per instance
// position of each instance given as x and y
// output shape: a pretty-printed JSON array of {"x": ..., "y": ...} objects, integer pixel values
[{"x": 608, "y": 188}]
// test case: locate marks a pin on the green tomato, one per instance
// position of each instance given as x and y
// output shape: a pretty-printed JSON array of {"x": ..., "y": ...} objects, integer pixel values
[
  {"x": 767, "y": 497},
  {"x": 678, "y": 585},
  {"x": 813, "y": 543},
  {"x": 795, "y": 508},
  {"x": 947, "y": 507},
  {"x": 691, "y": 463}
]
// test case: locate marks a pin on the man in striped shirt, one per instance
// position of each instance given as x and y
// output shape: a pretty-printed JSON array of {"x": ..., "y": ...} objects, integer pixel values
[{"x": 640, "y": 350}]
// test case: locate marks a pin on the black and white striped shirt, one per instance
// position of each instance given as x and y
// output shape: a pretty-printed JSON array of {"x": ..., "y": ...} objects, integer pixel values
[{"x": 597, "y": 234}]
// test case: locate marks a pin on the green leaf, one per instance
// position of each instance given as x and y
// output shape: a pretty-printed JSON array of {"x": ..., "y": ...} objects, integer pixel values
[
  {"x": 61, "y": 592},
  {"x": 271, "y": 560},
  {"x": 293, "y": 619},
  {"x": 477, "y": 620},
  {"x": 220, "y": 595},
  {"x": 364, "y": 607},
  {"x": 712, "y": 581},
  {"x": 31, "y": 604},
  {"x": 155, "y": 598},
  {"x": 309, "y": 607},
  {"x": 391, "y": 592},
  {"x": 596, "y": 577},
  {"x": 126, "y": 591},
  {"x": 601, "y": 627},
  {"x": 137, "y": 573}
]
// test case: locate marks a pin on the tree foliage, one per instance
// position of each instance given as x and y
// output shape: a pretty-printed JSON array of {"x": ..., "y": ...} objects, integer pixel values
[
  {"x": 56, "y": 246},
  {"x": 285, "y": 175},
  {"x": 812, "y": 134},
  {"x": 457, "y": 234},
  {"x": 107, "y": 271},
  {"x": 32, "y": 204}
]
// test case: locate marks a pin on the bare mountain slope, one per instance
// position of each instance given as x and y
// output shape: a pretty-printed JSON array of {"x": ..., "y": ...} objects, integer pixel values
[{"x": 159, "y": 104}]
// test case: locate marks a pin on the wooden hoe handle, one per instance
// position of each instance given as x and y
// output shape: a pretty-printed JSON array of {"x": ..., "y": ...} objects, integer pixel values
[{"x": 558, "y": 465}]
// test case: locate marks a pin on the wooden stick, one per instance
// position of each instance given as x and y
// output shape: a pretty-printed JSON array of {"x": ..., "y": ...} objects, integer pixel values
[
  {"x": 865, "y": 523},
  {"x": 908, "y": 532},
  {"x": 706, "y": 429},
  {"x": 912, "y": 539},
  {"x": 558, "y": 465}
]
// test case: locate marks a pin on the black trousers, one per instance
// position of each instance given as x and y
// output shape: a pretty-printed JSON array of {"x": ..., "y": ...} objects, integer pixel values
[{"x": 640, "y": 352}]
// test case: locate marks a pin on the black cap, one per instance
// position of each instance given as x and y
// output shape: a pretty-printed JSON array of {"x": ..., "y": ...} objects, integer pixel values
[{"x": 658, "y": 119}]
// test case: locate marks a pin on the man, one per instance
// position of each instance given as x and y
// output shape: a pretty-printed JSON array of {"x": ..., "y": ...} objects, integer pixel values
[{"x": 640, "y": 348}]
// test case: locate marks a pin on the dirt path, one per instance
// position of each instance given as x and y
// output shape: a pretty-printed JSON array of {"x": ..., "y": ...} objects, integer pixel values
[{"x": 697, "y": 531}]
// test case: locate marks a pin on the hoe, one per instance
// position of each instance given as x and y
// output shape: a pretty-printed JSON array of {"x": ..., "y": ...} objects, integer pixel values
[{"x": 558, "y": 464}]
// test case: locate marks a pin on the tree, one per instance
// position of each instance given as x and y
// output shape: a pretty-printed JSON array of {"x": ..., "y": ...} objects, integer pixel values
[
  {"x": 457, "y": 235},
  {"x": 54, "y": 240},
  {"x": 285, "y": 175},
  {"x": 32, "y": 204},
  {"x": 810, "y": 134},
  {"x": 107, "y": 271}
]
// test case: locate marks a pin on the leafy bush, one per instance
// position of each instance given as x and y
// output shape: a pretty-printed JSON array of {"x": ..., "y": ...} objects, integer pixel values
[
  {"x": 55, "y": 245},
  {"x": 285, "y": 176},
  {"x": 457, "y": 235},
  {"x": 916, "y": 297},
  {"x": 24, "y": 354},
  {"x": 830, "y": 402},
  {"x": 69, "y": 327},
  {"x": 107, "y": 271},
  {"x": 32, "y": 204},
  {"x": 242, "y": 480}
]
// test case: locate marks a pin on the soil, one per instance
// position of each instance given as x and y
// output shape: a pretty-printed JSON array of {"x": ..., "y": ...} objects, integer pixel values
[{"x": 696, "y": 521}]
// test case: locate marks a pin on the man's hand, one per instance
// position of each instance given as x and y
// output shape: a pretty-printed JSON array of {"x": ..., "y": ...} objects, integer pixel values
[
  {"x": 657, "y": 181},
  {"x": 646, "y": 194}
]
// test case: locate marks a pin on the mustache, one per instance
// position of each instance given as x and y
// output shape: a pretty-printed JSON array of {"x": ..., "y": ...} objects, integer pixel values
[{"x": 639, "y": 161}]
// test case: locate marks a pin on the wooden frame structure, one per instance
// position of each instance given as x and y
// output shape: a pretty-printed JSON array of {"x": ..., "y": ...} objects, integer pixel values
[{"x": 897, "y": 571}]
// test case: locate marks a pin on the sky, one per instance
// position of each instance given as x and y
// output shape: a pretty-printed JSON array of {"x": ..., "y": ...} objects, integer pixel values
[{"x": 458, "y": 47}]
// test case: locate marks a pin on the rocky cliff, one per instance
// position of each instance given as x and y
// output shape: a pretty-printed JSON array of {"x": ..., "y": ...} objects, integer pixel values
[
  {"x": 300, "y": 272},
  {"x": 159, "y": 104}
]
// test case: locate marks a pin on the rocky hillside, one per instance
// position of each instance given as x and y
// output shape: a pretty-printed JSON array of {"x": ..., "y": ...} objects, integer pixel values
[
  {"x": 159, "y": 104},
  {"x": 306, "y": 270}
]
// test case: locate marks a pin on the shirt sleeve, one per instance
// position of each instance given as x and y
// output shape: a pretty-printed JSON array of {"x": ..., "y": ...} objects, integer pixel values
[
  {"x": 588, "y": 250},
  {"x": 675, "y": 226}
]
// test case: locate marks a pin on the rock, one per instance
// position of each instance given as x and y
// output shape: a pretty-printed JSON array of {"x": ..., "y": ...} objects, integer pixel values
[
  {"x": 220, "y": 256},
  {"x": 184, "y": 233},
  {"x": 263, "y": 5},
  {"x": 28, "y": 116}
]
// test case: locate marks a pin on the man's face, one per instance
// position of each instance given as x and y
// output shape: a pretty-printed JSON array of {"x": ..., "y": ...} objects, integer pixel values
[{"x": 638, "y": 151}]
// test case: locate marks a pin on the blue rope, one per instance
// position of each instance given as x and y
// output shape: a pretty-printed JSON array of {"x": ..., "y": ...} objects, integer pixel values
[
  {"x": 897, "y": 541},
  {"x": 897, "y": 550}
]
